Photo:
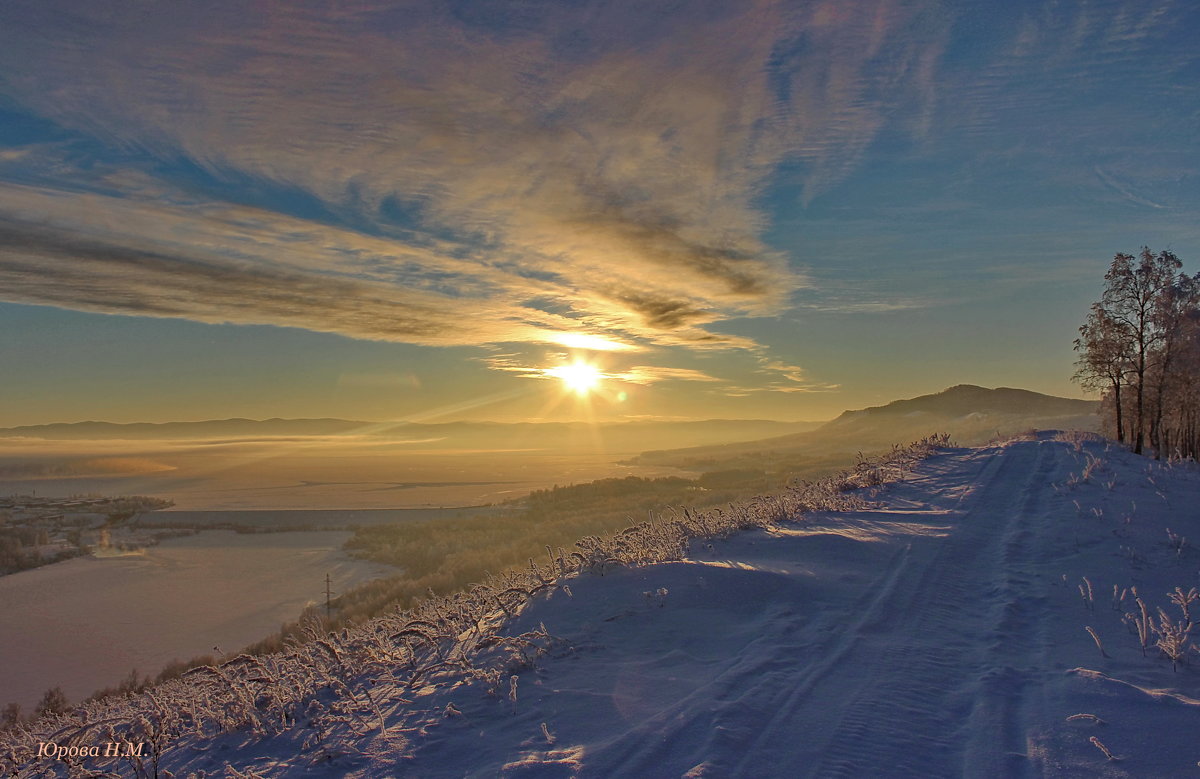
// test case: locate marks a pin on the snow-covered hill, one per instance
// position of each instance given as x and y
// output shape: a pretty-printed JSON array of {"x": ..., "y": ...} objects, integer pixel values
[
  {"x": 972, "y": 415},
  {"x": 978, "y": 618}
]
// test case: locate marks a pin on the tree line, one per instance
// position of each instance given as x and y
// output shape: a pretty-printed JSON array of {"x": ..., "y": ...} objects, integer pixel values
[
  {"x": 20, "y": 549},
  {"x": 1140, "y": 347}
]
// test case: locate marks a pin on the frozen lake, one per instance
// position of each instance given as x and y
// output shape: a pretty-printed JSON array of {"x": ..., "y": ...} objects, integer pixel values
[{"x": 85, "y": 623}]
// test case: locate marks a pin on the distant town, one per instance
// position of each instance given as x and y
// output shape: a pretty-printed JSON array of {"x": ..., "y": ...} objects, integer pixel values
[{"x": 36, "y": 531}]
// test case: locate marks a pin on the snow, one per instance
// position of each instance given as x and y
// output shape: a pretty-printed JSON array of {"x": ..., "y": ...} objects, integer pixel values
[{"x": 939, "y": 632}]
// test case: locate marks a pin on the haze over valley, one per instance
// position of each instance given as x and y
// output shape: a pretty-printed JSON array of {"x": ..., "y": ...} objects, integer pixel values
[
  {"x": 178, "y": 597},
  {"x": 341, "y": 464},
  {"x": 338, "y": 464}
]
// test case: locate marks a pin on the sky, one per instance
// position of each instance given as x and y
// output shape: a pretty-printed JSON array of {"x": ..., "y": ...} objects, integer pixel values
[{"x": 437, "y": 210}]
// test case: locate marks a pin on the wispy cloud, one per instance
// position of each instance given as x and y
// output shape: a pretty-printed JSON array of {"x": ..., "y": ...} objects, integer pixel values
[
  {"x": 791, "y": 378},
  {"x": 775, "y": 376},
  {"x": 557, "y": 168},
  {"x": 838, "y": 304},
  {"x": 1044, "y": 83},
  {"x": 739, "y": 391},
  {"x": 209, "y": 275},
  {"x": 1123, "y": 189},
  {"x": 649, "y": 374},
  {"x": 581, "y": 175}
]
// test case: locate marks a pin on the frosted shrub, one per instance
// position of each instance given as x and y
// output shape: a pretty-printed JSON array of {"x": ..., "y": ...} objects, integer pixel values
[
  {"x": 1141, "y": 622},
  {"x": 1096, "y": 638},
  {"x": 1118, "y": 598},
  {"x": 1087, "y": 594},
  {"x": 1173, "y": 638},
  {"x": 1077, "y": 438},
  {"x": 1176, "y": 542},
  {"x": 1099, "y": 745},
  {"x": 1184, "y": 600}
]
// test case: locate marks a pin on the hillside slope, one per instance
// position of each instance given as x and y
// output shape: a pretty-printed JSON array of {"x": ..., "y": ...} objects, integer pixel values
[
  {"x": 938, "y": 629},
  {"x": 941, "y": 633},
  {"x": 971, "y": 415}
]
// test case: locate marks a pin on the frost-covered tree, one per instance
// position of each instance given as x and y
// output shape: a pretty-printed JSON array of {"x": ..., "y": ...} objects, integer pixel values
[
  {"x": 1176, "y": 424},
  {"x": 11, "y": 715},
  {"x": 1175, "y": 369},
  {"x": 53, "y": 702},
  {"x": 1138, "y": 346},
  {"x": 1104, "y": 361}
]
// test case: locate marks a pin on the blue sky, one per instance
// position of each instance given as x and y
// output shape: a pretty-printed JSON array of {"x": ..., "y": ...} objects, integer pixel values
[{"x": 397, "y": 210}]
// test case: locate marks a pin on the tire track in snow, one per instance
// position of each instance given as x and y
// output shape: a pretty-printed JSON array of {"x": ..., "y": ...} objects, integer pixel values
[
  {"x": 755, "y": 689},
  {"x": 771, "y": 686},
  {"x": 930, "y": 705},
  {"x": 1006, "y": 700},
  {"x": 829, "y": 654}
]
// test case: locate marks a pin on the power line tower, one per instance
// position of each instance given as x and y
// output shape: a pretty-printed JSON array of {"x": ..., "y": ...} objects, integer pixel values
[{"x": 328, "y": 597}]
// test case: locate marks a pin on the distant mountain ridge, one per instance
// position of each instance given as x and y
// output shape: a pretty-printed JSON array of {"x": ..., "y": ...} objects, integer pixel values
[
  {"x": 333, "y": 426},
  {"x": 200, "y": 429},
  {"x": 964, "y": 399},
  {"x": 971, "y": 414},
  {"x": 624, "y": 437},
  {"x": 203, "y": 429}
]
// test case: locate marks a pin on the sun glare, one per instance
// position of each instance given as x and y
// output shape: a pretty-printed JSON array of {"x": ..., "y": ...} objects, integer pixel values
[{"x": 579, "y": 377}]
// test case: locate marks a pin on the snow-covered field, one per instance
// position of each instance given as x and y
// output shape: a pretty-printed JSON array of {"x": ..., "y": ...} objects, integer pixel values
[
  {"x": 86, "y": 623},
  {"x": 941, "y": 631}
]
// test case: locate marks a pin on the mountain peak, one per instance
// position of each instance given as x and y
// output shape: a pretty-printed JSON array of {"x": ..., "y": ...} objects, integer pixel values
[
  {"x": 963, "y": 399},
  {"x": 967, "y": 388}
]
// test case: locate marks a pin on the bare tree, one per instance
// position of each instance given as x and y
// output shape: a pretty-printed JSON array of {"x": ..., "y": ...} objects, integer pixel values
[
  {"x": 1104, "y": 361},
  {"x": 1130, "y": 301}
]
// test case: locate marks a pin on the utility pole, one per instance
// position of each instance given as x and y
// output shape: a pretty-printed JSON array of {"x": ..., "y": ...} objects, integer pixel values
[{"x": 328, "y": 596}]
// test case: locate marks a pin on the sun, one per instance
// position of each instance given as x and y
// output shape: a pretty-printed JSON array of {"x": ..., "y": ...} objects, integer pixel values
[{"x": 579, "y": 377}]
